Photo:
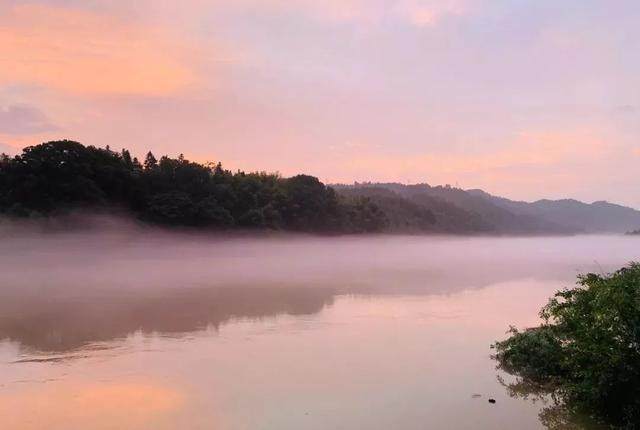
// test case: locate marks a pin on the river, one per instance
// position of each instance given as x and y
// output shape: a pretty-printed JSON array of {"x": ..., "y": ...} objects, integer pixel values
[{"x": 140, "y": 329}]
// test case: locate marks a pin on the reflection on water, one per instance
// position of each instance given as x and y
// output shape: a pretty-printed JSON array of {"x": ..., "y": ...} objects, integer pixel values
[
  {"x": 167, "y": 331},
  {"x": 553, "y": 415},
  {"x": 95, "y": 406},
  {"x": 70, "y": 322},
  {"x": 416, "y": 360}
]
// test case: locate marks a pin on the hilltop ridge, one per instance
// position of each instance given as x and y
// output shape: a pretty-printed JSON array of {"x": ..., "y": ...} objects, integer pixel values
[{"x": 456, "y": 210}]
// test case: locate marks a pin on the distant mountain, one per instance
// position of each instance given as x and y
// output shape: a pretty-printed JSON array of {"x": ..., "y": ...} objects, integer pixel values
[
  {"x": 597, "y": 217},
  {"x": 421, "y": 207}
]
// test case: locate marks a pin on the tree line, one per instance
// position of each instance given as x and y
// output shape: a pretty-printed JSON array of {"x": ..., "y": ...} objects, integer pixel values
[{"x": 58, "y": 176}]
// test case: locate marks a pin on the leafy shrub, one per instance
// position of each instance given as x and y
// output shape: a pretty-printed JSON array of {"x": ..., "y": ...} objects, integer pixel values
[{"x": 588, "y": 348}]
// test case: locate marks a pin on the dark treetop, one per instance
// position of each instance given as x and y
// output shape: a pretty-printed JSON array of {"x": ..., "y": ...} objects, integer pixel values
[{"x": 56, "y": 177}]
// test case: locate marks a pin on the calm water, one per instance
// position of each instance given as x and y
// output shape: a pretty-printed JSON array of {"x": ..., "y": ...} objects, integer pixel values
[{"x": 143, "y": 330}]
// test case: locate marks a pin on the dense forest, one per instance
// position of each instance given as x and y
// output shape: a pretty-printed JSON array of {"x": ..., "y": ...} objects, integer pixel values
[{"x": 55, "y": 177}]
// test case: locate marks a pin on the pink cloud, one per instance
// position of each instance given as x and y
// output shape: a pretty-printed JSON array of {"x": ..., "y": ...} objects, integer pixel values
[
  {"x": 369, "y": 12},
  {"x": 20, "y": 119},
  {"x": 424, "y": 13},
  {"x": 523, "y": 162}
]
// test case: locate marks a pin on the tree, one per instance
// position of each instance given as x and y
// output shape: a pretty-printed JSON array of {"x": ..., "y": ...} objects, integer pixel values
[
  {"x": 308, "y": 203},
  {"x": 126, "y": 157},
  {"x": 150, "y": 162}
]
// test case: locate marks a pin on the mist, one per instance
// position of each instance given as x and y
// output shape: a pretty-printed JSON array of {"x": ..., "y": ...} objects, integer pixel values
[{"x": 101, "y": 254}]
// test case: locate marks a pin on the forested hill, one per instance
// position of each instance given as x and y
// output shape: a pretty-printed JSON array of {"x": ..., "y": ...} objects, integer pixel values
[
  {"x": 449, "y": 209},
  {"x": 58, "y": 177},
  {"x": 597, "y": 217}
]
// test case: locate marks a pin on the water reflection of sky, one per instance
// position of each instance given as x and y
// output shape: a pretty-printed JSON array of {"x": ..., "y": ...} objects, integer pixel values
[
  {"x": 363, "y": 362},
  {"x": 385, "y": 345}
]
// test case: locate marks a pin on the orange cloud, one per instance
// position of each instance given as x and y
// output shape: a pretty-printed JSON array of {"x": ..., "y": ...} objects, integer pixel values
[
  {"x": 80, "y": 52},
  {"x": 14, "y": 144}
]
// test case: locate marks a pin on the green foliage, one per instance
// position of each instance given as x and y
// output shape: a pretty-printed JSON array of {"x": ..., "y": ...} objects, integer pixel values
[
  {"x": 64, "y": 175},
  {"x": 535, "y": 354},
  {"x": 588, "y": 349}
]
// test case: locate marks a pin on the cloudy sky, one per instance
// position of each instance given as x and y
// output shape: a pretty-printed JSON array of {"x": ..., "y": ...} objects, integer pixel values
[{"x": 524, "y": 98}]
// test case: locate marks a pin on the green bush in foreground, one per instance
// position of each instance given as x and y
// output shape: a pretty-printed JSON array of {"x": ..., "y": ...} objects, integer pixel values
[{"x": 587, "y": 351}]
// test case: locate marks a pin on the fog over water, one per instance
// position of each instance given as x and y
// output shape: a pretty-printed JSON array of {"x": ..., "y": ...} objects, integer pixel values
[
  {"x": 117, "y": 254},
  {"x": 272, "y": 331}
]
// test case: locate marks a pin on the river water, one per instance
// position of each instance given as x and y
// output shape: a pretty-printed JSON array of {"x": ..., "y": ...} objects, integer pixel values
[{"x": 139, "y": 329}]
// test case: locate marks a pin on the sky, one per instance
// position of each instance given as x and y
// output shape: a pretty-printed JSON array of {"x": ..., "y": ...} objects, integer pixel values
[{"x": 527, "y": 99}]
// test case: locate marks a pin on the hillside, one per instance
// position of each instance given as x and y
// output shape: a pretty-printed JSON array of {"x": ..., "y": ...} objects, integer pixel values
[
  {"x": 597, "y": 217},
  {"x": 416, "y": 211},
  {"x": 476, "y": 211}
]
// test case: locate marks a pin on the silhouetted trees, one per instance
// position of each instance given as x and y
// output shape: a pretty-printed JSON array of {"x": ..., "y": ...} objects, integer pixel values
[{"x": 62, "y": 175}]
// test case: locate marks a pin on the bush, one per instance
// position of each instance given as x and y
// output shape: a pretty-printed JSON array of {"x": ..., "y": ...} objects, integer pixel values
[{"x": 588, "y": 348}]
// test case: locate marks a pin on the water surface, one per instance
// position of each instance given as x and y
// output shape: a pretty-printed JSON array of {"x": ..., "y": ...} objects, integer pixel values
[{"x": 138, "y": 329}]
